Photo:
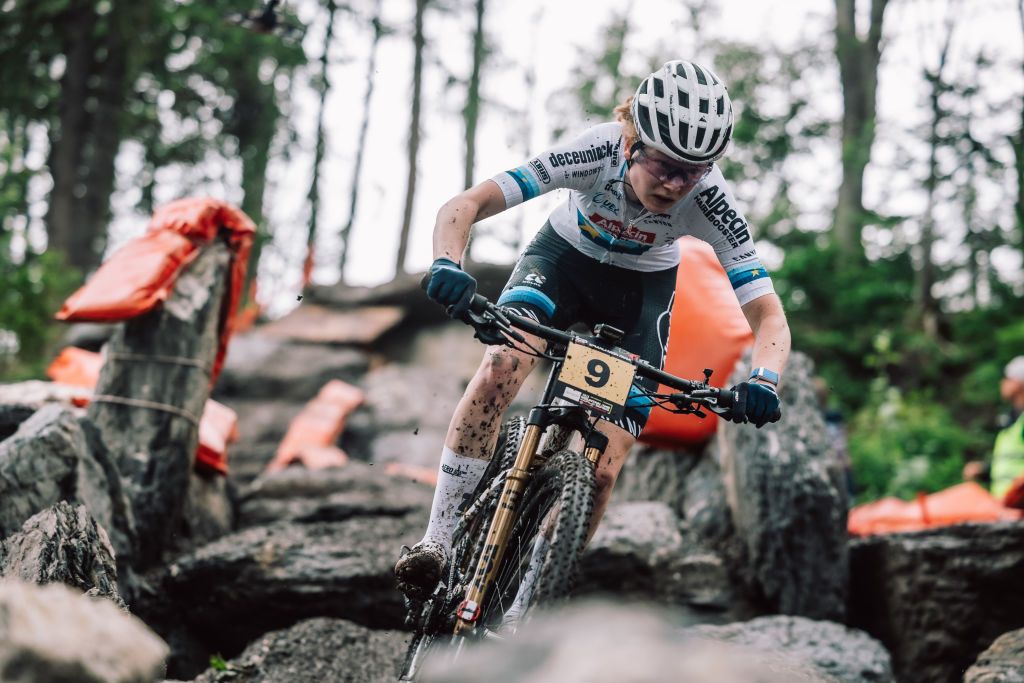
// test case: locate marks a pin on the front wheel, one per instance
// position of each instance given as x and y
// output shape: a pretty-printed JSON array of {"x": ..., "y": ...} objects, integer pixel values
[{"x": 540, "y": 562}]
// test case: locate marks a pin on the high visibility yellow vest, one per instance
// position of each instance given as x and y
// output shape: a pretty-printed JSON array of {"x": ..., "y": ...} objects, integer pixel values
[{"x": 1008, "y": 457}]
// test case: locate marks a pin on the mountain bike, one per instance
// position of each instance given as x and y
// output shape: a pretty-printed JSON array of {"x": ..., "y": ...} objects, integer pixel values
[{"x": 520, "y": 534}]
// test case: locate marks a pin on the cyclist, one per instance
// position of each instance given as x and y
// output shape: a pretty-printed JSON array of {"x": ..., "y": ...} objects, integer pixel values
[{"x": 607, "y": 255}]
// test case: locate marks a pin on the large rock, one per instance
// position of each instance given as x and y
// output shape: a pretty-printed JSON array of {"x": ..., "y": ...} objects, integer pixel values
[
  {"x": 316, "y": 651},
  {"x": 938, "y": 598},
  {"x": 1002, "y": 662},
  {"x": 266, "y": 578},
  {"x": 605, "y": 643},
  {"x": 333, "y": 495},
  {"x": 642, "y": 552},
  {"x": 259, "y": 366},
  {"x": 688, "y": 480},
  {"x": 48, "y": 460},
  {"x": 848, "y": 655},
  {"x": 54, "y": 634},
  {"x": 62, "y": 544},
  {"x": 789, "y": 515}
]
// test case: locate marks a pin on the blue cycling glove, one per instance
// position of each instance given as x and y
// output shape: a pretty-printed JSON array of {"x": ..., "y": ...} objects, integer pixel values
[
  {"x": 756, "y": 403},
  {"x": 449, "y": 285}
]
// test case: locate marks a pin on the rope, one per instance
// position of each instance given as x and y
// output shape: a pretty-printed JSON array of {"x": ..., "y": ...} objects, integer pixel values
[
  {"x": 157, "y": 358},
  {"x": 151, "y": 405}
]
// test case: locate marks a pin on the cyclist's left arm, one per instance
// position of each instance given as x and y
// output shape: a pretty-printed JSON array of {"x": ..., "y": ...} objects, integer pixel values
[
  {"x": 771, "y": 332},
  {"x": 716, "y": 218}
]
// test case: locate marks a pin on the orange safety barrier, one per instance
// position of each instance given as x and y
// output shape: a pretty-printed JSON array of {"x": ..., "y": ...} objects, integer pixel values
[
  {"x": 967, "y": 502},
  {"x": 132, "y": 281},
  {"x": 708, "y": 330},
  {"x": 76, "y": 366},
  {"x": 312, "y": 435},
  {"x": 218, "y": 427},
  {"x": 141, "y": 275}
]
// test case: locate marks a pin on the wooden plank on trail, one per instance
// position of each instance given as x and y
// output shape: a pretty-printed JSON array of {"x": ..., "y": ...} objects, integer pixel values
[{"x": 323, "y": 325}]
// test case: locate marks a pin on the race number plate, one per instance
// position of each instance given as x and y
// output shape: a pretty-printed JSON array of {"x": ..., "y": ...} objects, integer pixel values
[{"x": 595, "y": 379}]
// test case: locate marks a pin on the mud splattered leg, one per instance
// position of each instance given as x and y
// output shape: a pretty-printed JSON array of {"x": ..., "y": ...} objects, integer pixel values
[{"x": 477, "y": 419}]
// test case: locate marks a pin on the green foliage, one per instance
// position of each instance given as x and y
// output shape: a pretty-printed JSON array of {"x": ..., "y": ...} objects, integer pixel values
[
  {"x": 33, "y": 291},
  {"x": 904, "y": 444}
]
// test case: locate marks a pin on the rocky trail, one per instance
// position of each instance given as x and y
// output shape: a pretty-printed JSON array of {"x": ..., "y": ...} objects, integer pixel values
[{"x": 729, "y": 561}]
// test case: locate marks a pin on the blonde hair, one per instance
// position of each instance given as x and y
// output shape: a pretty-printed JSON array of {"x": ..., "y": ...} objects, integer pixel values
[{"x": 624, "y": 115}]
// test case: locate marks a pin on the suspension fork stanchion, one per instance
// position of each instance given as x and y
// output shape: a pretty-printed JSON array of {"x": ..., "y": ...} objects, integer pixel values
[
  {"x": 497, "y": 535},
  {"x": 595, "y": 445}
]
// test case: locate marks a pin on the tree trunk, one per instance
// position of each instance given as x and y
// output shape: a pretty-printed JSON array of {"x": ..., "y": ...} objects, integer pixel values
[
  {"x": 858, "y": 72},
  {"x": 471, "y": 112},
  {"x": 414, "y": 137},
  {"x": 318, "y": 157},
  {"x": 371, "y": 68},
  {"x": 1018, "y": 156},
  {"x": 148, "y": 410},
  {"x": 66, "y": 232},
  {"x": 106, "y": 129},
  {"x": 253, "y": 122},
  {"x": 927, "y": 309}
]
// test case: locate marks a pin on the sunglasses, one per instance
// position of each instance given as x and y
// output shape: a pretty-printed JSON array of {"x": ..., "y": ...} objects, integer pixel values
[{"x": 669, "y": 172}]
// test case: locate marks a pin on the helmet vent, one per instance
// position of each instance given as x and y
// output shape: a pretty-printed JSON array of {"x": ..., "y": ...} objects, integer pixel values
[
  {"x": 703, "y": 106},
  {"x": 720, "y": 106},
  {"x": 645, "y": 122},
  {"x": 684, "y": 98},
  {"x": 659, "y": 87},
  {"x": 701, "y": 78}
]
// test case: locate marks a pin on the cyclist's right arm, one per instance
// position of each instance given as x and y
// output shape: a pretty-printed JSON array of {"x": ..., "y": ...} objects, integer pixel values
[
  {"x": 457, "y": 216},
  {"x": 575, "y": 164}
]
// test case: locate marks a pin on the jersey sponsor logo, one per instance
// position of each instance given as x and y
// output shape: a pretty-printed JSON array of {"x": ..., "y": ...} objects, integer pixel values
[
  {"x": 601, "y": 200},
  {"x": 534, "y": 279},
  {"x": 586, "y": 173},
  {"x": 612, "y": 188},
  {"x": 630, "y": 232},
  {"x": 609, "y": 234},
  {"x": 717, "y": 210},
  {"x": 583, "y": 156},
  {"x": 542, "y": 172},
  {"x": 744, "y": 255}
]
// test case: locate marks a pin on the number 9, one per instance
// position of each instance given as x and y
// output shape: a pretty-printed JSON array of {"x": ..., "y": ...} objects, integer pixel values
[{"x": 600, "y": 372}]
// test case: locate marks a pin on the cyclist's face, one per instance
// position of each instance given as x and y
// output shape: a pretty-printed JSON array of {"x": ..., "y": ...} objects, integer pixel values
[{"x": 660, "y": 182}]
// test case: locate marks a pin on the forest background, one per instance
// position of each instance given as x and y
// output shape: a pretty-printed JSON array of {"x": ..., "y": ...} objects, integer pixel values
[{"x": 878, "y": 153}]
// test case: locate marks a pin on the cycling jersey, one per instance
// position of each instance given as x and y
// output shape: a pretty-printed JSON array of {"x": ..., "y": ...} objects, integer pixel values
[
  {"x": 599, "y": 221},
  {"x": 559, "y": 286}
]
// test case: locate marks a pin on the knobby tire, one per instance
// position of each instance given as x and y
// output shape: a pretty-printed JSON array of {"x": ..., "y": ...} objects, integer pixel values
[{"x": 465, "y": 548}]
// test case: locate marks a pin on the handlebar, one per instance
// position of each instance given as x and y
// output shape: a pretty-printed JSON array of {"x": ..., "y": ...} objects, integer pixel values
[
  {"x": 486, "y": 317},
  {"x": 719, "y": 400}
]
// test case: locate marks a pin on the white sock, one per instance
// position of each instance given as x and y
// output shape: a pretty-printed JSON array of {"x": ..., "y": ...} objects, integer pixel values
[{"x": 457, "y": 476}]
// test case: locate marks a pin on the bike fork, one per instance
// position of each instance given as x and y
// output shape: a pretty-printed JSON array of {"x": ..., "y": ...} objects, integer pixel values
[{"x": 498, "y": 533}]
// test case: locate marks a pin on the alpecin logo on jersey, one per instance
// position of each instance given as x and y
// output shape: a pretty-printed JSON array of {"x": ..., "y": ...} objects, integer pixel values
[
  {"x": 715, "y": 206},
  {"x": 542, "y": 172},
  {"x": 582, "y": 156},
  {"x": 616, "y": 230}
]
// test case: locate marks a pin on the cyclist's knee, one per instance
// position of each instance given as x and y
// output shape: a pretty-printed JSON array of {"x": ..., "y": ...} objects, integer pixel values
[{"x": 501, "y": 374}]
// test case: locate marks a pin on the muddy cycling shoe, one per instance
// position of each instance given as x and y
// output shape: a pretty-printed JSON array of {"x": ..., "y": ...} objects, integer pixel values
[{"x": 419, "y": 569}]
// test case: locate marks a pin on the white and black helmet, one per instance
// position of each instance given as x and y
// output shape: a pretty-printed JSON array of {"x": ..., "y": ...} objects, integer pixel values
[{"x": 683, "y": 110}]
